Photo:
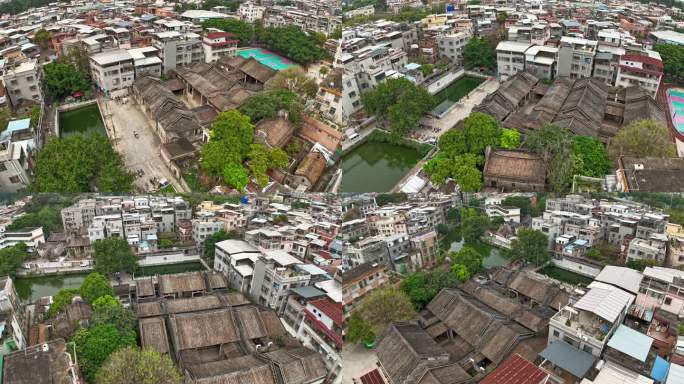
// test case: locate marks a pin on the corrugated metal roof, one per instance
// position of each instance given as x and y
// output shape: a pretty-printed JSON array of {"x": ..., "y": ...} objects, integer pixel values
[
  {"x": 568, "y": 358},
  {"x": 615, "y": 374},
  {"x": 675, "y": 375},
  {"x": 621, "y": 277},
  {"x": 604, "y": 300},
  {"x": 631, "y": 342}
]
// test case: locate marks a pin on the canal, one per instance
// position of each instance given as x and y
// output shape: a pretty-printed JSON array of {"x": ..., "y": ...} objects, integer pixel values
[
  {"x": 84, "y": 120},
  {"x": 33, "y": 288},
  {"x": 376, "y": 167}
]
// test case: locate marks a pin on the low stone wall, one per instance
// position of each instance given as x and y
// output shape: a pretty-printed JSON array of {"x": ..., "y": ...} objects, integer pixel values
[
  {"x": 442, "y": 82},
  {"x": 579, "y": 268}
]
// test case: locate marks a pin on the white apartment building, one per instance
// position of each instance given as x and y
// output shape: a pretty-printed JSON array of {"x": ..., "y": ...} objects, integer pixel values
[
  {"x": 112, "y": 70},
  {"x": 146, "y": 61},
  {"x": 588, "y": 323},
  {"x": 204, "y": 227},
  {"x": 653, "y": 248},
  {"x": 217, "y": 45},
  {"x": 541, "y": 61},
  {"x": 274, "y": 275},
  {"x": 644, "y": 70},
  {"x": 15, "y": 146},
  {"x": 575, "y": 57},
  {"x": 278, "y": 16},
  {"x": 451, "y": 45},
  {"x": 338, "y": 96},
  {"x": 510, "y": 58},
  {"x": 250, "y": 12},
  {"x": 32, "y": 237},
  {"x": 367, "y": 10},
  {"x": 533, "y": 33},
  {"x": 235, "y": 259},
  {"x": 178, "y": 49},
  {"x": 79, "y": 215},
  {"x": 22, "y": 82}
]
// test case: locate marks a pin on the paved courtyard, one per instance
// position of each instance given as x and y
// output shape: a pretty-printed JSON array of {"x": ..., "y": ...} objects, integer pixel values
[
  {"x": 357, "y": 360},
  {"x": 138, "y": 153}
]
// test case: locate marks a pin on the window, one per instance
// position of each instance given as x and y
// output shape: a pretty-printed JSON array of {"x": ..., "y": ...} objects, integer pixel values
[
  {"x": 14, "y": 179},
  {"x": 668, "y": 300},
  {"x": 587, "y": 349},
  {"x": 3, "y": 167}
]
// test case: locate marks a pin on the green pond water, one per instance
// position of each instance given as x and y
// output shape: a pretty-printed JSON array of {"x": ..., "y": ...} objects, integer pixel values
[
  {"x": 33, "y": 288},
  {"x": 170, "y": 269},
  {"x": 492, "y": 256},
  {"x": 458, "y": 89},
  {"x": 84, "y": 120},
  {"x": 376, "y": 167},
  {"x": 565, "y": 275}
]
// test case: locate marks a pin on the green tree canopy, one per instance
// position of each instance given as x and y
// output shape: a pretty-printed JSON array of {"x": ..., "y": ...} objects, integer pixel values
[
  {"x": 481, "y": 130},
  {"x": 460, "y": 272},
  {"x": 95, "y": 344},
  {"x": 48, "y": 216},
  {"x": 474, "y": 227},
  {"x": 510, "y": 139},
  {"x": 94, "y": 287},
  {"x": 422, "y": 286},
  {"x": 64, "y": 79},
  {"x": 673, "y": 59},
  {"x": 531, "y": 245},
  {"x": 590, "y": 157},
  {"x": 400, "y": 102},
  {"x": 554, "y": 145},
  {"x": 358, "y": 330},
  {"x": 642, "y": 138},
  {"x": 468, "y": 257},
  {"x": 478, "y": 53},
  {"x": 132, "y": 365},
  {"x": 294, "y": 80},
  {"x": 108, "y": 310},
  {"x": 264, "y": 105},
  {"x": 42, "y": 38},
  {"x": 383, "y": 306},
  {"x": 114, "y": 255},
  {"x": 12, "y": 258},
  {"x": 80, "y": 163},
  {"x": 61, "y": 300},
  {"x": 246, "y": 33}
]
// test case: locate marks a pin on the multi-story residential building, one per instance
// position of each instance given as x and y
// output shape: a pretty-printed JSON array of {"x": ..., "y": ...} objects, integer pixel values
[
  {"x": 675, "y": 248},
  {"x": 217, "y": 45},
  {"x": 588, "y": 322},
  {"x": 398, "y": 249},
  {"x": 510, "y": 58},
  {"x": 112, "y": 70},
  {"x": 451, "y": 45},
  {"x": 426, "y": 250},
  {"x": 146, "y": 61},
  {"x": 250, "y": 12},
  {"x": 541, "y": 61},
  {"x": 653, "y": 248},
  {"x": 575, "y": 57},
  {"x": 203, "y": 227},
  {"x": 16, "y": 144},
  {"x": 232, "y": 220},
  {"x": 371, "y": 249},
  {"x": 644, "y": 70},
  {"x": 279, "y": 16},
  {"x": 358, "y": 282},
  {"x": 236, "y": 259},
  {"x": 606, "y": 63},
  {"x": 266, "y": 239},
  {"x": 80, "y": 215},
  {"x": 338, "y": 96},
  {"x": 178, "y": 49},
  {"x": 22, "y": 82},
  {"x": 507, "y": 213},
  {"x": 12, "y": 319},
  {"x": 388, "y": 220},
  {"x": 32, "y": 237},
  {"x": 533, "y": 33},
  {"x": 274, "y": 275}
]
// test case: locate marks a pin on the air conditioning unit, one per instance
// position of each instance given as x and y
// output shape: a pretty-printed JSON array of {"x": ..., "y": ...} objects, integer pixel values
[{"x": 638, "y": 167}]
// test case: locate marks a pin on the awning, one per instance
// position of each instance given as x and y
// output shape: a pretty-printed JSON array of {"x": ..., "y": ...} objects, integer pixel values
[
  {"x": 660, "y": 369},
  {"x": 568, "y": 358}
]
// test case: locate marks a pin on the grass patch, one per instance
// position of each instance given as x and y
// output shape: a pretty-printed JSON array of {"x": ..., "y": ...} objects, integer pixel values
[
  {"x": 192, "y": 179},
  {"x": 458, "y": 89},
  {"x": 565, "y": 276},
  {"x": 168, "y": 189}
]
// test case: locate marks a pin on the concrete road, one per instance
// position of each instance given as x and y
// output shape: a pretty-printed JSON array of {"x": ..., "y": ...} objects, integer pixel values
[
  {"x": 138, "y": 153},
  {"x": 356, "y": 361}
]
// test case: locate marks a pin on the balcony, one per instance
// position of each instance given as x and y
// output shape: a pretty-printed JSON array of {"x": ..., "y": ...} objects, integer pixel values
[
  {"x": 329, "y": 333},
  {"x": 578, "y": 322}
]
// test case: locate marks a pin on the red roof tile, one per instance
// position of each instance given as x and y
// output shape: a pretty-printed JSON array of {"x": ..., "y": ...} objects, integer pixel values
[
  {"x": 515, "y": 370},
  {"x": 372, "y": 377},
  {"x": 331, "y": 309},
  {"x": 216, "y": 35}
]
